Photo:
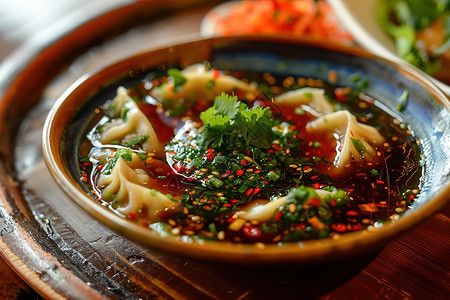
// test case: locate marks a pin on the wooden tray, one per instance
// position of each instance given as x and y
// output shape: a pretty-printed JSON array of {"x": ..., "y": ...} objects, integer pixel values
[{"x": 64, "y": 253}]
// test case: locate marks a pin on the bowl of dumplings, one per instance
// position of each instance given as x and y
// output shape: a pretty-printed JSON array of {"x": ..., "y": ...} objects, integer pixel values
[{"x": 252, "y": 149}]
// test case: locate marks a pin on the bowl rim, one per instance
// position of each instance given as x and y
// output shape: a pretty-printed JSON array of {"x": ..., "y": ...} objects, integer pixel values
[{"x": 311, "y": 251}]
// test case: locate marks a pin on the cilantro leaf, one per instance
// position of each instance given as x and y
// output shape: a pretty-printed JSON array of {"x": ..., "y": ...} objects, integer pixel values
[
  {"x": 224, "y": 105},
  {"x": 255, "y": 126},
  {"x": 214, "y": 130}
]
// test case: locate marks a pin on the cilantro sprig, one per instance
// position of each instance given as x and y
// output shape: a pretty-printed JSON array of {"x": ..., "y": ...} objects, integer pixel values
[{"x": 230, "y": 122}]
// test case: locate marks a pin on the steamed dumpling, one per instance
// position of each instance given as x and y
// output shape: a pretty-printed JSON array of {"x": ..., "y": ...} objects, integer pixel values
[
  {"x": 308, "y": 98},
  {"x": 125, "y": 186},
  {"x": 130, "y": 126},
  {"x": 202, "y": 84},
  {"x": 356, "y": 140}
]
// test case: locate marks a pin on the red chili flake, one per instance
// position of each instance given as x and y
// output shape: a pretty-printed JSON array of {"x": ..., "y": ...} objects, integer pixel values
[
  {"x": 201, "y": 104},
  {"x": 340, "y": 95},
  {"x": 244, "y": 162},
  {"x": 170, "y": 87},
  {"x": 249, "y": 192},
  {"x": 351, "y": 133},
  {"x": 276, "y": 147},
  {"x": 133, "y": 216},
  {"x": 300, "y": 226},
  {"x": 226, "y": 174},
  {"x": 333, "y": 202},
  {"x": 412, "y": 196},
  {"x": 156, "y": 82},
  {"x": 247, "y": 152},
  {"x": 99, "y": 167},
  {"x": 227, "y": 205},
  {"x": 86, "y": 164},
  {"x": 234, "y": 201},
  {"x": 315, "y": 202},
  {"x": 278, "y": 216},
  {"x": 270, "y": 151},
  {"x": 210, "y": 156},
  {"x": 240, "y": 172},
  {"x": 207, "y": 207},
  {"x": 251, "y": 231},
  {"x": 266, "y": 182},
  {"x": 314, "y": 177},
  {"x": 350, "y": 190},
  {"x": 339, "y": 227},
  {"x": 179, "y": 167},
  {"x": 306, "y": 168},
  {"x": 380, "y": 181},
  {"x": 356, "y": 227},
  {"x": 216, "y": 73},
  {"x": 240, "y": 94},
  {"x": 257, "y": 171},
  {"x": 230, "y": 220},
  {"x": 316, "y": 185},
  {"x": 210, "y": 150},
  {"x": 352, "y": 213},
  {"x": 84, "y": 179},
  {"x": 256, "y": 190},
  {"x": 84, "y": 174}
]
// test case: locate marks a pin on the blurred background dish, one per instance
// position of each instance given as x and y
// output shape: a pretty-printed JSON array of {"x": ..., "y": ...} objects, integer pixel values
[
  {"x": 294, "y": 18},
  {"x": 362, "y": 20}
]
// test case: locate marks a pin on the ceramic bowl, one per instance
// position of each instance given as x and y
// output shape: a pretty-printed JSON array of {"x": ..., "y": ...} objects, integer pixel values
[{"x": 427, "y": 113}]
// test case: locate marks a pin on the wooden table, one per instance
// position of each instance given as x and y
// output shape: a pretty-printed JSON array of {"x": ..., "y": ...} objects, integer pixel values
[{"x": 46, "y": 241}]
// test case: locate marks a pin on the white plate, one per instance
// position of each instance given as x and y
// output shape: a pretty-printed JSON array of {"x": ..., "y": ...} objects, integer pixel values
[{"x": 359, "y": 18}]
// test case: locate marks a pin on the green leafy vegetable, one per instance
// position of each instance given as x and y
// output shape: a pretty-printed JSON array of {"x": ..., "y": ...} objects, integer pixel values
[
  {"x": 232, "y": 122},
  {"x": 124, "y": 153},
  {"x": 137, "y": 141},
  {"x": 178, "y": 78},
  {"x": 403, "y": 100},
  {"x": 403, "y": 18},
  {"x": 359, "y": 145}
]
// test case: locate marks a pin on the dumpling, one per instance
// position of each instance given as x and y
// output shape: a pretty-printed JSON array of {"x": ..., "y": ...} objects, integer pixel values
[
  {"x": 263, "y": 213},
  {"x": 130, "y": 126},
  {"x": 356, "y": 141},
  {"x": 309, "y": 99},
  {"x": 202, "y": 84},
  {"x": 125, "y": 186}
]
